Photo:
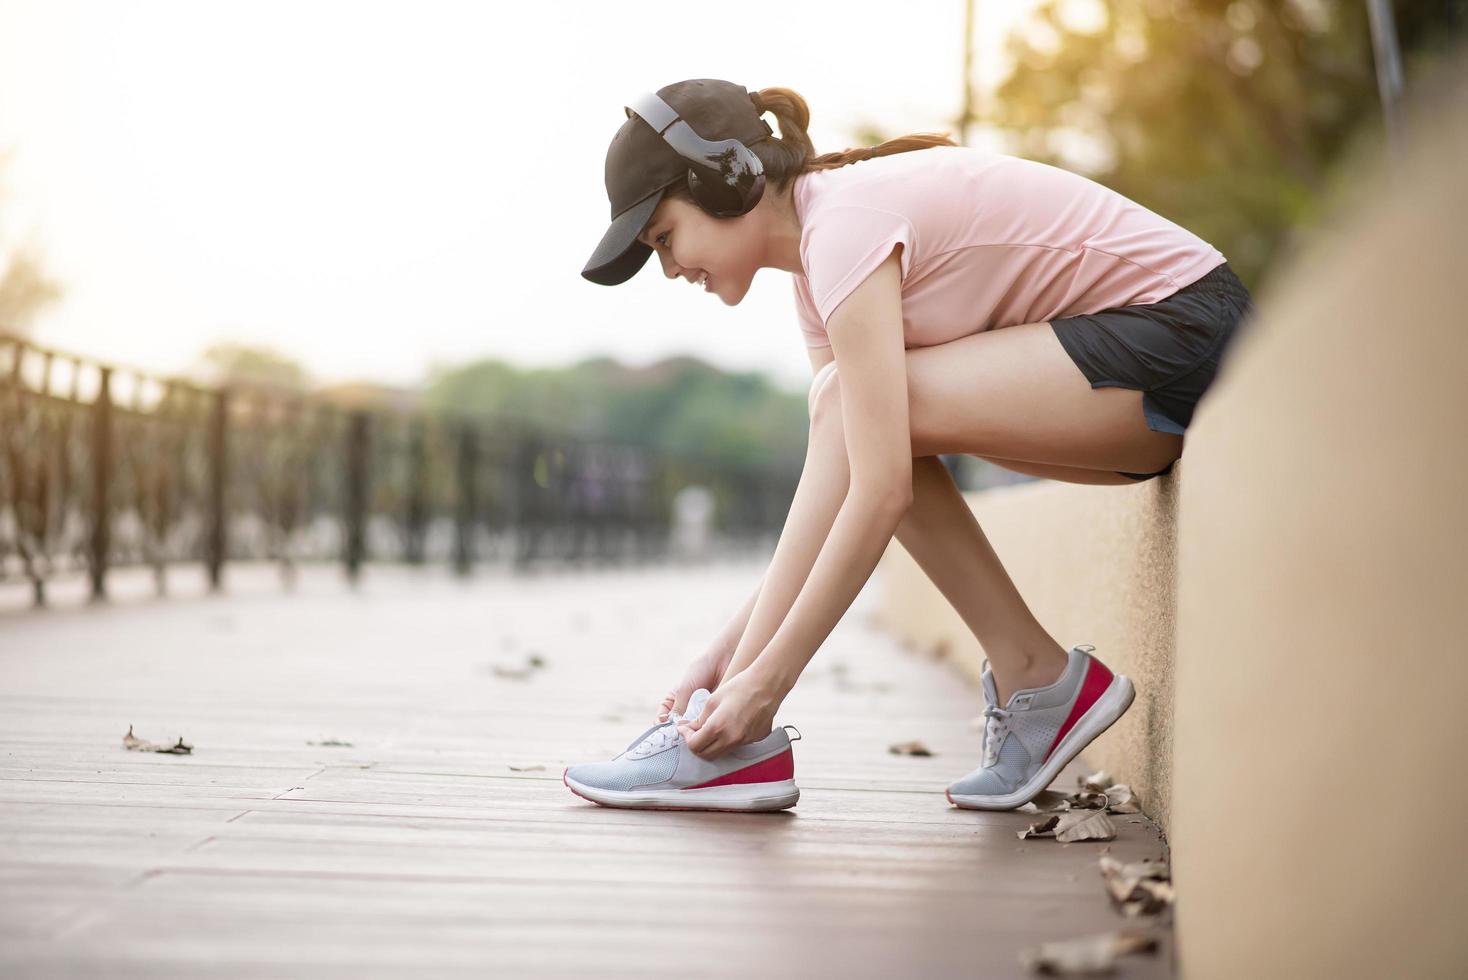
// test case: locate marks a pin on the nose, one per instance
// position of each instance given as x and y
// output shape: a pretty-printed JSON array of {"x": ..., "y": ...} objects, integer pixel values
[{"x": 672, "y": 270}]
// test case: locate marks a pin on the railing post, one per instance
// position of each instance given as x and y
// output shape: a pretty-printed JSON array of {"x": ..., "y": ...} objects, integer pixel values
[
  {"x": 417, "y": 515},
  {"x": 356, "y": 495},
  {"x": 218, "y": 541},
  {"x": 101, "y": 486},
  {"x": 464, "y": 500}
]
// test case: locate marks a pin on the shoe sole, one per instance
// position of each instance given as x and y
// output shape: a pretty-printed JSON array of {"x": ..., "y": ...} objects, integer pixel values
[
  {"x": 1110, "y": 706},
  {"x": 738, "y": 798}
]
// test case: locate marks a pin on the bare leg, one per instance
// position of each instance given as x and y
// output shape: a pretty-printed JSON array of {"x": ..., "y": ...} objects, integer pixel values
[
  {"x": 1010, "y": 394},
  {"x": 943, "y": 536}
]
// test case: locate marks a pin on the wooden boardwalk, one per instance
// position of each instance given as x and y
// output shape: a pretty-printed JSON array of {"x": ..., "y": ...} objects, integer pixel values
[{"x": 416, "y": 850}]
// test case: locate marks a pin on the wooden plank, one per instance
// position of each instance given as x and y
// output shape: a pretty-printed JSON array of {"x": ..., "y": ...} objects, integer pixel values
[{"x": 417, "y": 850}]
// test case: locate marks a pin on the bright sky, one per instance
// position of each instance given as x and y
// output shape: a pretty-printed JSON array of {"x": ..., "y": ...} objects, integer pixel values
[{"x": 378, "y": 188}]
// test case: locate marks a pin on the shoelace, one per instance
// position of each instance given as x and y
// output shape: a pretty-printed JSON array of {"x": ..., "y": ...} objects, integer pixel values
[
  {"x": 661, "y": 737},
  {"x": 996, "y": 725}
]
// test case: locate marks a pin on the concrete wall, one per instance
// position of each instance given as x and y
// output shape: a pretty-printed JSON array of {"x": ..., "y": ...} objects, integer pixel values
[{"x": 1313, "y": 791}]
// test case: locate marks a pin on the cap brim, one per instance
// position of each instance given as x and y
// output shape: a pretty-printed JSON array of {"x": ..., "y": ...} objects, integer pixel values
[{"x": 619, "y": 254}]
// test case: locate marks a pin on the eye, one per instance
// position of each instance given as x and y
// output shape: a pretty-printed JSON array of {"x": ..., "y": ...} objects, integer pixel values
[{"x": 660, "y": 240}]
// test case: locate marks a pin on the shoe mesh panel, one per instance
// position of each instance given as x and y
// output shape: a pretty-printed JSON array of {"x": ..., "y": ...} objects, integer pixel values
[
  {"x": 624, "y": 774},
  {"x": 1013, "y": 763},
  {"x": 1038, "y": 727}
]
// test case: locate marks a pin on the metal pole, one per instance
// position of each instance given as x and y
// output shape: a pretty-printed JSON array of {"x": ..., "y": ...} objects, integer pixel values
[
  {"x": 218, "y": 470},
  {"x": 464, "y": 501},
  {"x": 356, "y": 495},
  {"x": 101, "y": 541},
  {"x": 1388, "y": 72},
  {"x": 968, "y": 71}
]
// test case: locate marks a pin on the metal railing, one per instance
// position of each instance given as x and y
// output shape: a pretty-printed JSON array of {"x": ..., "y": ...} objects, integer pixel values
[{"x": 102, "y": 467}]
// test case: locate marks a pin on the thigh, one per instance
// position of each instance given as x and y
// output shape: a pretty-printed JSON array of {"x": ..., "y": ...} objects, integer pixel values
[
  {"x": 1015, "y": 393},
  {"x": 1065, "y": 474}
]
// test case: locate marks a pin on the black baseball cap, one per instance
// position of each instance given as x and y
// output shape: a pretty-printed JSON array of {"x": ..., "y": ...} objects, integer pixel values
[{"x": 641, "y": 165}]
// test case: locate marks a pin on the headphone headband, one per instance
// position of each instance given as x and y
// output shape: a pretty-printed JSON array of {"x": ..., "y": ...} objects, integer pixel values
[{"x": 725, "y": 176}]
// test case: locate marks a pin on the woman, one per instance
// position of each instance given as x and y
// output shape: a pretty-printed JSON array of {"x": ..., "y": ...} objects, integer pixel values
[{"x": 951, "y": 301}]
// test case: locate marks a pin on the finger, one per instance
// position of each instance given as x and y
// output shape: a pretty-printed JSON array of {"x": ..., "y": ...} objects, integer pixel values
[{"x": 698, "y": 741}]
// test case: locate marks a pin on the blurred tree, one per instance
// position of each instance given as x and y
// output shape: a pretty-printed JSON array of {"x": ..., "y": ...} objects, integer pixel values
[
  {"x": 25, "y": 289},
  {"x": 241, "y": 364},
  {"x": 1225, "y": 116},
  {"x": 678, "y": 404}
]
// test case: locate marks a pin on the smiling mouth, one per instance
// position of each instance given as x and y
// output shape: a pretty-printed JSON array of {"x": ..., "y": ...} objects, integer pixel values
[{"x": 703, "y": 280}]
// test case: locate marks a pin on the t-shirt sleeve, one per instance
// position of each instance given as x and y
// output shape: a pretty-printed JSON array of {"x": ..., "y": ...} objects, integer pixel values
[
  {"x": 810, "y": 324},
  {"x": 844, "y": 245}
]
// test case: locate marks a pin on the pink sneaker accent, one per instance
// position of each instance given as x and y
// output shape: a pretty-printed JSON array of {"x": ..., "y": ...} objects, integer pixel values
[
  {"x": 1098, "y": 678},
  {"x": 774, "y": 769}
]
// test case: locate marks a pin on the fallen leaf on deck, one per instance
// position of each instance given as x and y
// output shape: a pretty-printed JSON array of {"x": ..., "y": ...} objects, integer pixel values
[
  {"x": 1048, "y": 801},
  {"x": 1121, "y": 799},
  {"x": 530, "y": 768},
  {"x": 532, "y": 663},
  {"x": 1137, "y": 887},
  {"x": 332, "y": 742},
  {"x": 1086, "y": 954},
  {"x": 1087, "y": 800},
  {"x": 1085, "y": 825},
  {"x": 1045, "y": 828},
  {"x": 131, "y": 741},
  {"x": 1096, "y": 782},
  {"x": 1072, "y": 825},
  {"x": 909, "y": 748}
]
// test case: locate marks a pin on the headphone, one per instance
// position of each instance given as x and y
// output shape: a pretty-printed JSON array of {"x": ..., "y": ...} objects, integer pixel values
[{"x": 724, "y": 176}]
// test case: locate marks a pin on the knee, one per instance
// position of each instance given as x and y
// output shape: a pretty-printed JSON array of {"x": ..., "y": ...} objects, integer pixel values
[{"x": 824, "y": 390}]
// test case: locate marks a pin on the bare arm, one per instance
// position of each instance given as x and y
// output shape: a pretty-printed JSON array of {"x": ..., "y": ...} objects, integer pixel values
[{"x": 715, "y": 660}]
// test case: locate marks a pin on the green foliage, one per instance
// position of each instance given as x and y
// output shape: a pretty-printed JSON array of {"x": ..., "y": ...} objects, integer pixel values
[
  {"x": 1228, "y": 117},
  {"x": 680, "y": 404},
  {"x": 235, "y": 364}
]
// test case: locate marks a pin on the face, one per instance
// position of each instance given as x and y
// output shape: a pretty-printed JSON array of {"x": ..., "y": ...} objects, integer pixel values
[{"x": 689, "y": 242}]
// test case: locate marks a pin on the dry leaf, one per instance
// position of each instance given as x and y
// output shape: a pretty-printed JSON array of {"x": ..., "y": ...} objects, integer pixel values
[
  {"x": 1085, "y": 825},
  {"x": 909, "y": 748},
  {"x": 331, "y": 742},
  {"x": 1087, "y": 800},
  {"x": 1137, "y": 887},
  {"x": 530, "y": 768},
  {"x": 1045, "y": 828},
  {"x": 532, "y": 663},
  {"x": 131, "y": 741},
  {"x": 1086, "y": 954},
  {"x": 1096, "y": 782}
]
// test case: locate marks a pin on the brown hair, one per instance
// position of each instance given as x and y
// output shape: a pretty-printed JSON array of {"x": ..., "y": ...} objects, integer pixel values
[{"x": 791, "y": 153}]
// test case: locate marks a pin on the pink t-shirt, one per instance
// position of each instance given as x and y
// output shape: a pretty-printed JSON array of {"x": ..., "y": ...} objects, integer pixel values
[{"x": 989, "y": 240}]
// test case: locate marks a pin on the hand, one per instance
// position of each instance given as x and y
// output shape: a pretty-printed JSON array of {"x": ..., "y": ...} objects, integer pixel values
[
  {"x": 705, "y": 672},
  {"x": 742, "y": 710}
]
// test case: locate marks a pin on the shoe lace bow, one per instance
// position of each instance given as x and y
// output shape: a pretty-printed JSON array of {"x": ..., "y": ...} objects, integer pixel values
[
  {"x": 996, "y": 726},
  {"x": 657, "y": 738}
]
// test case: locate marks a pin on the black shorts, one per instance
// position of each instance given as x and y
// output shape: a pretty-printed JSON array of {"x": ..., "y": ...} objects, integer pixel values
[{"x": 1169, "y": 350}]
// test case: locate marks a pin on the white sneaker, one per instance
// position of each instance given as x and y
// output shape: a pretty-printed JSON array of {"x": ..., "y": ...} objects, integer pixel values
[
  {"x": 659, "y": 772},
  {"x": 1027, "y": 743}
]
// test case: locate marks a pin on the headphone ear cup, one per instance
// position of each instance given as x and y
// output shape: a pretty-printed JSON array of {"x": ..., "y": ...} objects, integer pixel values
[{"x": 732, "y": 190}]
